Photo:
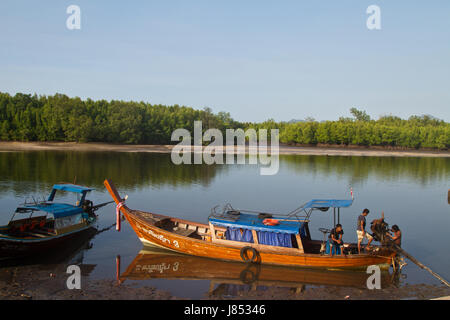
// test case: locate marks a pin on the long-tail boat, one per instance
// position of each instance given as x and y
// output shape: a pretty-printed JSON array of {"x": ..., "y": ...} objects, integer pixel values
[
  {"x": 249, "y": 236},
  {"x": 47, "y": 224}
]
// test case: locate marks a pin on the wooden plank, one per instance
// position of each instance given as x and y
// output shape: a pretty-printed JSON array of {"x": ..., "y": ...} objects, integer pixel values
[
  {"x": 70, "y": 228},
  {"x": 259, "y": 247},
  {"x": 184, "y": 232},
  {"x": 255, "y": 236},
  {"x": 37, "y": 234},
  {"x": 299, "y": 243},
  {"x": 213, "y": 232}
]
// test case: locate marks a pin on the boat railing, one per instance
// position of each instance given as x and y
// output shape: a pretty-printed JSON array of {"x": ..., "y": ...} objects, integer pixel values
[
  {"x": 31, "y": 200},
  {"x": 229, "y": 212}
]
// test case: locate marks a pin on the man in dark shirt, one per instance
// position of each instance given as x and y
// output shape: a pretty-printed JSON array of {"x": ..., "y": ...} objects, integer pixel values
[
  {"x": 335, "y": 239},
  {"x": 361, "y": 230}
]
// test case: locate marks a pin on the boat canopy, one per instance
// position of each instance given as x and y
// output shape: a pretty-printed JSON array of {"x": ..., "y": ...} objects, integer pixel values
[
  {"x": 252, "y": 222},
  {"x": 72, "y": 188},
  {"x": 322, "y": 205},
  {"x": 58, "y": 210},
  {"x": 327, "y": 203}
]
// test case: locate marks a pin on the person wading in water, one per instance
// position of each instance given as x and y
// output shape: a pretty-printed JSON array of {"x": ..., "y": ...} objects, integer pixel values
[{"x": 397, "y": 237}]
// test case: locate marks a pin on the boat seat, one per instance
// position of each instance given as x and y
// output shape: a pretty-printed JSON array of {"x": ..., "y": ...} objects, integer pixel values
[
  {"x": 36, "y": 234},
  {"x": 151, "y": 218},
  {"x": 184, "y": 232}
]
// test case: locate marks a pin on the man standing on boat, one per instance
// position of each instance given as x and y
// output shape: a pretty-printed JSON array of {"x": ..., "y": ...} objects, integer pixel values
[{"x": 361, "y": 230}]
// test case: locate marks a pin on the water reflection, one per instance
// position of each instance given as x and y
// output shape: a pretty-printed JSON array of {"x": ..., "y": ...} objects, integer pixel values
[
  {"x": 29, "y": 172},
  {"x": 131, "y": 170},
  {"x": 359, "y": 169},
  {"x": 229, "y": 278},
  {"x": 407, "y": 189},
  {"x": 72, "y": 253}
]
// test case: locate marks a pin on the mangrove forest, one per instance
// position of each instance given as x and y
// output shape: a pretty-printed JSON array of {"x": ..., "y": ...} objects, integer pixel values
[{"x": 26, "y": 117}]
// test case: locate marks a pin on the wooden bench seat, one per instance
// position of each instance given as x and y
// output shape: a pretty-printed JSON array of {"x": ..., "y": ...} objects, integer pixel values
[
  {"x": 184, "y": 232},
  {"x": 151, "y": 218},
  {"x": 36, "y": 234}
]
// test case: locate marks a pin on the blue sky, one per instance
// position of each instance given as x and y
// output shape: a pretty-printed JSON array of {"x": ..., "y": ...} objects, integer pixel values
[{"x": 255, "y": 59}]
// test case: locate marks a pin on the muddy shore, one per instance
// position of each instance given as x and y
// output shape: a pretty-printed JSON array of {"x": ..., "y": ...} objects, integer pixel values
[
  {"x": 49, "y": 283},
  {"x": 283, "y": 149}
]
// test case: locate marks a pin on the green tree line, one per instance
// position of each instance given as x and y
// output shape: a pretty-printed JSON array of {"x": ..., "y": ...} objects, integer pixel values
[
  {"x": 388, "y": 131},
  {"x": 25, "y": 117}
]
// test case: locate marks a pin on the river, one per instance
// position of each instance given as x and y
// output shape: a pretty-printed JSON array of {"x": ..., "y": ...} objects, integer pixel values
[{"x": 412, "y": 191}]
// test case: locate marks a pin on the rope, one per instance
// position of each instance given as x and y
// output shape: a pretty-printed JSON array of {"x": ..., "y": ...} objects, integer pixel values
[
  {"x": 119, "y": 205},
  {"x": 421, "y": 265},
  {"x": 399, "y": 250}
]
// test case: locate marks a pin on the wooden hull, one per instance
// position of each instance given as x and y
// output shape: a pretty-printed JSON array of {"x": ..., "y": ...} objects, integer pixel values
[
  {"x": 13, "y": 248},
  {"x": 143, "y": 224},
  {"x": 159, "y": 264}
]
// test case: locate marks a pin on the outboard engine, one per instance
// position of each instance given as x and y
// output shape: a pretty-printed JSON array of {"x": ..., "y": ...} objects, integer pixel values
[
  {"x": 88, "y": 207},
  {"x": 379, "y": 229}
]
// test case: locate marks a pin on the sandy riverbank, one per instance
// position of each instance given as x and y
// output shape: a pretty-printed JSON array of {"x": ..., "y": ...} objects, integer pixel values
[{"x": 283, "y": 149}]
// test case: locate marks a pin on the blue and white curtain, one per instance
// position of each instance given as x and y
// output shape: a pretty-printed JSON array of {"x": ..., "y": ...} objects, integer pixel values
[
  {"x": 235, "y": 234},
  {"x": 264, "y": 237}
]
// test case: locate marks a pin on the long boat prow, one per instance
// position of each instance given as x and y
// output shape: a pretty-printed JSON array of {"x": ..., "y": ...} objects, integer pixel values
[{"x": 112, "y": 191}]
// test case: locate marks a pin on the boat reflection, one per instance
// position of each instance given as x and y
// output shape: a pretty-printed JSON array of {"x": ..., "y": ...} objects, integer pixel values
[
  {"x": 227, "y": 278},
  {"x": 71, "y": 254}
]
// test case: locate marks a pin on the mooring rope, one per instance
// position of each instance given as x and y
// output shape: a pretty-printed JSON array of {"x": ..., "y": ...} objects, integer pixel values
[{"x": 420, "y": 264}]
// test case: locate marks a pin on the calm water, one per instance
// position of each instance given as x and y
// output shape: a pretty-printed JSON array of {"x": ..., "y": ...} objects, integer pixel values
[{"x": 411, "y": 191}]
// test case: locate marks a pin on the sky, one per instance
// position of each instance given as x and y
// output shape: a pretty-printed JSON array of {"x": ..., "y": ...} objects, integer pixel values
[{"x": 254, "y": 59}]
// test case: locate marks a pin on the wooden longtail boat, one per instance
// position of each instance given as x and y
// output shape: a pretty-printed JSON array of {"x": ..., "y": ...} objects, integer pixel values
[
  {"x": 238, "y": 235},
  {"x": 48, "y": 225},
  {"x": 162, "y": 264}
]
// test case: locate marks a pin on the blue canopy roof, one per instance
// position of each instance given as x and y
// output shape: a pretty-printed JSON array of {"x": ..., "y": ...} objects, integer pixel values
[
  {"x": 325, "y": 203},
  {"x": 250, "y": 221},
  {"x": 58, "y": 210},
  {"x": 71, "y": 188}
]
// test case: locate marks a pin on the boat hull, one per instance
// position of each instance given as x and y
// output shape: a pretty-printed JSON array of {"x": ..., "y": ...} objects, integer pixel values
[
  {"x": 13, "y": 248},
  {"x": 153, "y": 236}
]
